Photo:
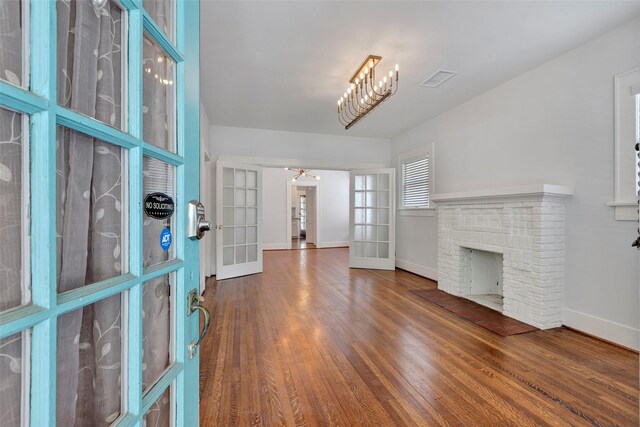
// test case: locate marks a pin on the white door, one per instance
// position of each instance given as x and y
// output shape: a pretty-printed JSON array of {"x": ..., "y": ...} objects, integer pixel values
[
  {"x": 372, "y": 226},
  {"x": 238, "y": 220}
]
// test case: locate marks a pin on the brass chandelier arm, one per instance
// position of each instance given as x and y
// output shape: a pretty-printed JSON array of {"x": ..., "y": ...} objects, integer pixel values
[
  {"x": 342, "y": 122},
  {"x": 373, "y": 87},
  {"x": 370, "y": 104},
  {"x": 344, "y": 114},
  {"x": 350, "y": 105}
]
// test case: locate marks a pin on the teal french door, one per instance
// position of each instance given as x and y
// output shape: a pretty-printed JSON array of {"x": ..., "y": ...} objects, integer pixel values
[{"x": 99, "y": 159}]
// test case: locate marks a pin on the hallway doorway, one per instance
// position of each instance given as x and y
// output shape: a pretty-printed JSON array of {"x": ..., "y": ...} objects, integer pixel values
[{"x": 304, "y": 215}]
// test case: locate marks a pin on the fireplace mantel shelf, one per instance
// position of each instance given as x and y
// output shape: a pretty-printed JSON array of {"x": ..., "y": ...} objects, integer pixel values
[{"x": 536, "y": 190}]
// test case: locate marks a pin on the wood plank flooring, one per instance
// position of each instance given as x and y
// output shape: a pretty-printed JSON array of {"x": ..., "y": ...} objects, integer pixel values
[{"x": 312, "y": 342}]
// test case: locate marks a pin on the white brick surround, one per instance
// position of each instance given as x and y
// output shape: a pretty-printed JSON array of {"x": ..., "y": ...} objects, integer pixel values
[{"x": 526, "y": 225}]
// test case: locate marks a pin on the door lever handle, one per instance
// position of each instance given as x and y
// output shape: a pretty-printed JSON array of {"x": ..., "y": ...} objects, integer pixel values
[{"x": 193, "y": 305}]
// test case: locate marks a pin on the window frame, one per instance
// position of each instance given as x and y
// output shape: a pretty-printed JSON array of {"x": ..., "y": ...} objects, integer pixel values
[
  {"x": 409, "y": 157},
  {"x": 625, "y": 201}
]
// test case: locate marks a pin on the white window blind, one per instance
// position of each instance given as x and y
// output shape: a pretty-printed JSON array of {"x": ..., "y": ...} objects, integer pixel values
[{"x": 415, "y": 183}]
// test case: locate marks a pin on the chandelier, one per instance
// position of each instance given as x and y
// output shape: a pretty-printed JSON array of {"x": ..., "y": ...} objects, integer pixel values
[
  {"x": 301, "y": 172},
  {"x": 365, "y": 92}
]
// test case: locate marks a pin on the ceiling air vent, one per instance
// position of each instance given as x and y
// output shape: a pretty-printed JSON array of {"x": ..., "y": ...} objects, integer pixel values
[{"x": 437, "y": 78}]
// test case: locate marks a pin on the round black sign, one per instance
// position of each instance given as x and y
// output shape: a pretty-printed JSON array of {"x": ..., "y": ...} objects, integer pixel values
[{"x": 158, "y": 205}]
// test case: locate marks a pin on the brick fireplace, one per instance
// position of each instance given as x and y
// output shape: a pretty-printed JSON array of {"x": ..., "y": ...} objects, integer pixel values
[{"x": 525, "y": 225}]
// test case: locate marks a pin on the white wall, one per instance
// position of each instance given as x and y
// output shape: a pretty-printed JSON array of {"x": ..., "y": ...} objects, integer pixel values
[
  {"x": 333, "y": 196},
  {"x": 553, "y": 124},
  {"x": 342, "y": 151}
]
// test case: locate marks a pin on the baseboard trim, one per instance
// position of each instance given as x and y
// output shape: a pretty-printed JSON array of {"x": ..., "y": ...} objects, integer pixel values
[
  {"x": 420, "y": 270},
  {"x": 325, "y": 245},
  {"x": 274, "y": 246},
  {"x": 606, "y": 330}
]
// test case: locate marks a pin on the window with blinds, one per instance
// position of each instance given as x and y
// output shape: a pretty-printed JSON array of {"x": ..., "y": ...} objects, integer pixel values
[{"x": 415, "y": 183}]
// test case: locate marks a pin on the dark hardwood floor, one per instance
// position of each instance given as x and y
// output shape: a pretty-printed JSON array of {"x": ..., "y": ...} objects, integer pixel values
[
  {"x": 301, "y": 244},
  {"x": 311, "y": 342}
]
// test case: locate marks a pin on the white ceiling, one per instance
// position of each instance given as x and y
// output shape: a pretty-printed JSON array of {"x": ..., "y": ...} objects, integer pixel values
[{"x": 283, "y": 64}]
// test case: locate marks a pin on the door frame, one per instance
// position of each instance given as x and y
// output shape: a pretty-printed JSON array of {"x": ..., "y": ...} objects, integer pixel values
[
  {"x": 280, "y": 162},
  {"x": 39, "y": 103},
  {"x": 290, "y": 185}
]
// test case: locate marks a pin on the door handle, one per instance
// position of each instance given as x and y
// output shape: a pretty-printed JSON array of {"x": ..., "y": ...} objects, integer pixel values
[{"x": 193, "y": 305}]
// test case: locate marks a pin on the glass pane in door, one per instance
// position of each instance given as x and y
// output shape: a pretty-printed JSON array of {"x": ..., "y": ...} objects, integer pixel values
[
  {"x": 159, "y": 185},
  {"x": 14, "y": 211},
  {"x": 163, "y": 13},
  {"x": 156, "y": 328},
  {"x": 159, "y": 97},
  {"x": 91, "y": 183},
  {"x": 159, "y": 415},
  {"x": 89, "y": 364},
  {"x": 13, "y": 64},
  {"x": 90, "y": 57},
  {"x": 14, "y": 378}
]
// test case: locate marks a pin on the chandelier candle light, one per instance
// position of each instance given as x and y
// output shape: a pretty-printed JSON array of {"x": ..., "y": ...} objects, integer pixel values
[
  {"x": 365, "y": 93},
  {"x": 301, "y": 172}
]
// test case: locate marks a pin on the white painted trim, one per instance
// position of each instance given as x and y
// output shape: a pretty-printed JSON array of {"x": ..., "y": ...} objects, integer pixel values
[
  {"x": 275, "y": 246},
  {"x": 409, "y": 156},
  {"x": 417, "y": 212},
  {"x": 625, "y": 211},
  {"x": 420, "y": 270},
  {"x": 624, "y": 161},
  {"x": 536, "y": 190},
  {"x": 301, "y": 163},
  {"x": 602, "y": 328},
  {"x": 325, "y": 245}
]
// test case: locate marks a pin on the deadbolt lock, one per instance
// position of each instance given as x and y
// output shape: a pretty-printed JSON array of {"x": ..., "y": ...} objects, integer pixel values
[{"x": 197, "y": 224}]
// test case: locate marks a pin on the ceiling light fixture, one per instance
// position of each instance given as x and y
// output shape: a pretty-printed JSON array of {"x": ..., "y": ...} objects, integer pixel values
[
  {"x": 301, "y": 172},
  {"x": 365, "y": 93}
]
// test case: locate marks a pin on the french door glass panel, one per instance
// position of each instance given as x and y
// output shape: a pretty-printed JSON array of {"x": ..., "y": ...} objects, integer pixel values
[
  {"x": 14, "y": 16},
  {"x": 14, "y": 210},
  {"x": 91, "y": 222},
  {"x": 163, "y": 12},
  {"x": 89, "y": 364},
  {"x": 91, "y": 63},
  {"x": 157, "y": 328},
  {"x": 14, "y": 378},
  {"x": 93, "y": 322},
  {"x": 372, "y": 219},
  {"x": 158, "y": 177},
  {"x": 158, "y": 103},
  {"x": 160, "y": 413}
]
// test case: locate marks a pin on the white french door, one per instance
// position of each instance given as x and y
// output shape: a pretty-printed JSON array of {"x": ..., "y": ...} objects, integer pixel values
[
  {"x": 372, "y": 226},
  {"x": 238, "y": 220}
]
